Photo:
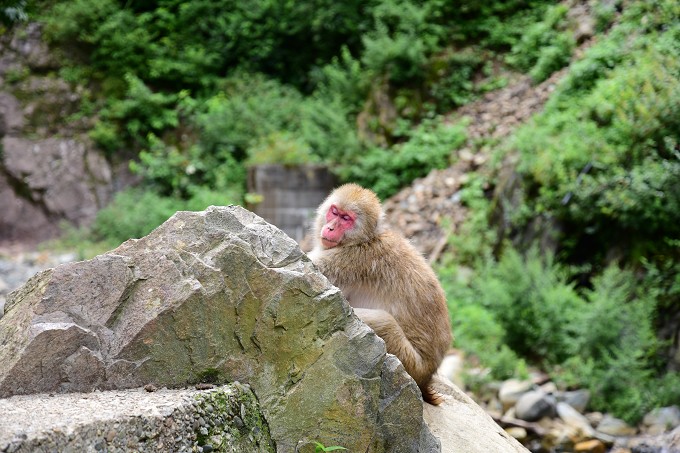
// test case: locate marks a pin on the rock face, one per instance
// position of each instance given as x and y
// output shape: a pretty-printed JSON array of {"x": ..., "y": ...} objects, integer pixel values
[
  {"x": 49, "y": 180},
  {"x": 216, "y": 296},
  {"x": 227, "y": 418},
  {"x": 49, "y": 170}
]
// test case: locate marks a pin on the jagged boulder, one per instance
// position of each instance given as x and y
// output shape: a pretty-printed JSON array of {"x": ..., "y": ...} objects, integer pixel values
[{"x": 218, "y": 296}]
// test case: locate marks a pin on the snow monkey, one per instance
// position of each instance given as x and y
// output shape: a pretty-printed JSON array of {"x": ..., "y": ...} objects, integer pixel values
[{"x": 387, "y": 282}]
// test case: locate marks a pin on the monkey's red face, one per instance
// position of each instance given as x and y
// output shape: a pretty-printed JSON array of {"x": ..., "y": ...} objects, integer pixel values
[{"x": 338, "y": 222}]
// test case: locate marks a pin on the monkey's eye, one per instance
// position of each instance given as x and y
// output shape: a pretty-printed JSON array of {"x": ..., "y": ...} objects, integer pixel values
[
  {"x": 334, "y": 210},
  {"x": 346, "y": 218}
]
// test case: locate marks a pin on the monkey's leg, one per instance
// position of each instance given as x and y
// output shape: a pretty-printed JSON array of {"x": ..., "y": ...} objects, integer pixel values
[{"x": 395, "y": 340}]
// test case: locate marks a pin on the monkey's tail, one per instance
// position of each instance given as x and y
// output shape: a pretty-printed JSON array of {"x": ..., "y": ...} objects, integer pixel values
[{"x": 432, "y": 396}]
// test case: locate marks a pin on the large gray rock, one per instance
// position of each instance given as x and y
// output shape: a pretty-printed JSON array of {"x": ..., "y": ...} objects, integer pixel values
[
  {"x": 219, "y": 296},
  {"x": 227, "y": 418}
]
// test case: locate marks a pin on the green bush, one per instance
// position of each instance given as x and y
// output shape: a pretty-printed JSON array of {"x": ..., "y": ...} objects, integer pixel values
[
  {"x": 400, "y": 40},
  {"x": 13, "y": 11},
  {"x": 602, "y": 158},
  {"x": 134, "y": 213},
  {"x": 256, "y": 120},
  {"x": 253, "y": 107},
  {"x": 545, "y": 46},
  {"x": 451, "y": 78},
  {"x": 615, "y": 348},
  {"x": 535, "y": 304},
  {"x": 476, "y": 329},
  {"x": 602, "y": 339},
  {"x": 281, "y": 148},
  {"x": 474, "y": 241},
  {"x": 133, "y": 117}
]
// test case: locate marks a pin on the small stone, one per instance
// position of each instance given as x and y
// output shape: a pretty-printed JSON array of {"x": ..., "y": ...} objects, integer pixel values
[
  {"x": 238, "y": 422},
  {"x": 662, "y": 419},
  {"x": 615, "y": 427},
  {"x": 150, "y": 388},
  {"x": 452, "y": 368},
  {"x": 110, "y": 436},
  {"x": 534, "y": 405},
  {"x": 549, "y": 388},
  {"x": 204, "y": 386},
  {"x": 590, "y": 446},
  {"x": 594, "y": 418},
  {"x": 517, "y": 432},
  {"x": 511, "y": 390},
  {"x": 578, "y": 399},
  {"x": 574, "y": 418}
]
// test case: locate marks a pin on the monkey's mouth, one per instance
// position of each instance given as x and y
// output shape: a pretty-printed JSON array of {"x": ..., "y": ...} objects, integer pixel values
[{"x": 329, "y": 244}]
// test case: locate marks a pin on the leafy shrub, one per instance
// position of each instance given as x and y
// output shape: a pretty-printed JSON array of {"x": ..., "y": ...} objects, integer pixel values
[
  {"x": 131, "y": 118},
  {"x": 602, "y": 339},
  {"x": 13, "y": 11},
  {"x": 535, "y": 304},
  {"x": 614, "y": 348},
  {"x": 386, "y": 170},
  {"x": 343, "y": 80},
  {"x": 400, "y": 40},
  {"x": 253, "y": 107},
  {"x": 473, "y": 242},
  {"x": 476, "y": 329},
  {"x": 254, "y": 119},
  {"x": 281, "y": 148},
  {"x": 602, "y": 156},
  {"x": 451, "y": 79},
  {"x": 135, "y": 212},
  {"x": 545, "y": 46}
]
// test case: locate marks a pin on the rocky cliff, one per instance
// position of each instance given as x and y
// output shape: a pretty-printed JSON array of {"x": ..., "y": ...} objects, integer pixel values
[{"x": 49, "y": 170}]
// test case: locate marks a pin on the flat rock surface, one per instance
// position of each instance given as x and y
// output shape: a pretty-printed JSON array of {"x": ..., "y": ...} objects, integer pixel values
[
  {"x": 458, "y": 421},
  {"x": 134, "y": 420},
  {"x": 68, "y": 411}
]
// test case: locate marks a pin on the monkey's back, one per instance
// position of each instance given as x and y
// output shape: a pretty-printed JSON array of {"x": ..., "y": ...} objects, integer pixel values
[{"x": 388, "y": 273}]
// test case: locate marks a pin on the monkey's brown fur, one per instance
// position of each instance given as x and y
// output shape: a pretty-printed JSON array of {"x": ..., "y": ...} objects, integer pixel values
[{"x": 389, "y": 284}]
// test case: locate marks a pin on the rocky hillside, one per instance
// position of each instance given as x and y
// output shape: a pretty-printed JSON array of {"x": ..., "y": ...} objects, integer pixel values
[
  {"x": 49, "y": 170},
  {"x": 419, "y": 210}
]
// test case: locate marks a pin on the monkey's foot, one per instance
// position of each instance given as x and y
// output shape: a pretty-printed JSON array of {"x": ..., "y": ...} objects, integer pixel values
[{"x": 430, "y": 395}]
